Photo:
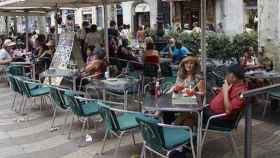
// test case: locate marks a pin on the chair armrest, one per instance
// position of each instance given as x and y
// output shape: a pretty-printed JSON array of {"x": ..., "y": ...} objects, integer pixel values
[
  {"x": 175, "y": 126},
  {"x": 206, "y": 105},
  {"x": 214, "y": 117},
  {"x": 34, "y": 82},
  {"x": 108, "y": 102},
  {"x": 87, "y": 77}
]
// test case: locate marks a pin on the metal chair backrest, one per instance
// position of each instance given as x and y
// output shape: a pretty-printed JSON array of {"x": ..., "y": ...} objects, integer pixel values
[
  {"x": 24, "y": 88},
  {"x": 73, "y": 103},
  {"x": 151, "y": 70},
  {"x": 110, "y": 118},
  {"x": 57, "y": 98},
  {"x": 13, "y": 84},
  {"x": 166, "y": 70},
  {"x": 151, "y": 132},
  {"x": 16, "y": 70}
]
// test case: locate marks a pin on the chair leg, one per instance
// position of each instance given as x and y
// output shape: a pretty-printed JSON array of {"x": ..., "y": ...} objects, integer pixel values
[
  {"x": 53, "y": 118},
  {"x": 23, "y": 107},
  {"x": 265, "y": 109},
  {"x": 104, "y": 141},
  {"x": 133, "y": 137},
  {"x": 70, "y": 129},
  {"x": 143, "y": 152},
  {"x": 82, "y": 142},
  {"x": 118, "y": 145},
  {"x": 204, "y": 138},
  {"x": 65, "y": 121},
  {"x": 13, "y": 102},
  {"x": 234, "y": 145}
]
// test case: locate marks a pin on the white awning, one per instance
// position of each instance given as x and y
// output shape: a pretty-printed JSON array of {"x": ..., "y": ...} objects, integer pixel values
[
  {"x": 24, "y": 11},
  {"x": 56, "y": 3}
]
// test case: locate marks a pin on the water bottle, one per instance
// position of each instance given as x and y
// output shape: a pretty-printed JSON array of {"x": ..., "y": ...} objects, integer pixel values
[
  {"x": 107, "y": 74},
  {"x": 157, "y": 89}
]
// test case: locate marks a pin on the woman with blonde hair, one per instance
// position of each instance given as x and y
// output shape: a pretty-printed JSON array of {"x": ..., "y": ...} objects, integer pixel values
[
  {"x": 189, "y": 78},
  {"x": 189, "y": 75}
]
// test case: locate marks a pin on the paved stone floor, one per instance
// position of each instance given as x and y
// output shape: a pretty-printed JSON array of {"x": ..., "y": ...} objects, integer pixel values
[{"x": 29, "y": 136}]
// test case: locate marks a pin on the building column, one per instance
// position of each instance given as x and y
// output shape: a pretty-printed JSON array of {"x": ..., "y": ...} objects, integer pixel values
[
  {"x": 153, "y": 13},
  {"x": 269, "y": 29},
  {"x": 79, "y": 17},
  {"x": 94, "y": 19},
  {"x": 127, "y": 13},
  {"x": 233, "y": 16},
  {"x": 42, "y": 24}
]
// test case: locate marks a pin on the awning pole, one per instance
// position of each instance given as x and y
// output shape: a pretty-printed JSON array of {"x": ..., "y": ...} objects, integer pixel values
[
  {"x": 106, "y": 29},
  {"x": 56, "y": 25},
  {"x": 203, "y": 37},
  {"x": 26, "y": 33}
]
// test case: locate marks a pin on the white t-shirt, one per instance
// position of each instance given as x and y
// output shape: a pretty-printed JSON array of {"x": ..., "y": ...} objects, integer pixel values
[
  {"x": 124, "y": 34},
  {"x": 93, "y": 39},
  {"x": 4, "y": 55}
]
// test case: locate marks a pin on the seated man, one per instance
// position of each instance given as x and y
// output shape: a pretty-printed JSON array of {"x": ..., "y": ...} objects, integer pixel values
[
  {"x": 5, "y": 56},
  {"x": 179, "y": 53},
  {"x": 169, "y": 49},
  {"x": 228, "y": 99},
  {"x": 6, "y": 51}
]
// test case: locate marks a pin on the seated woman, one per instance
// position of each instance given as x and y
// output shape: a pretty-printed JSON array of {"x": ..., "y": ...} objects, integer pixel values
[
  {"x": 97, "y": 66},
  {"x": 249, "y": 61},
  {"x": 188, "y": 78},
  {"x": 151, "y": 56},
  {"x": 45, "y": 59}
]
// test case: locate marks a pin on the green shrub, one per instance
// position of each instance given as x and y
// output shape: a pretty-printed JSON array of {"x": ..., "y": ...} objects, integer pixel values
[
  {"x": 241, "y": 41},
  {"x": 219, "y": 46}
]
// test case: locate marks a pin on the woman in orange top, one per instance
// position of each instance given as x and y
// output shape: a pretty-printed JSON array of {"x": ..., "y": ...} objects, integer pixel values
[
  {"x": 140, "y": 35},
  {"x": 97, "y": 66},
  {"x": 151, "y": 56}
]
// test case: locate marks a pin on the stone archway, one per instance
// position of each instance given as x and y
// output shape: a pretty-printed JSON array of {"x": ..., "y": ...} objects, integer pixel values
[{"x": 140, "y": 14}]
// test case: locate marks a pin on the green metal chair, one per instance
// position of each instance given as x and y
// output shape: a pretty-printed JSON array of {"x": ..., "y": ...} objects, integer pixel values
[
  {"x": 208, "y": 127},
  {"x": 58, "y": 103},
  {"x": 117, "y": 125},
  {"x": 84, "y": 110},
  {"x": 16, "y": 70},
  {"x": 15, "y": 88},
  {"x": 162, "y": 139},
  {"x": 31, "y": 89}
]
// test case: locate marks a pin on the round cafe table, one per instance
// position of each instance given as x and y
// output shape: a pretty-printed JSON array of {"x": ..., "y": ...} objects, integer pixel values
[{"x": 177, "y": 103}]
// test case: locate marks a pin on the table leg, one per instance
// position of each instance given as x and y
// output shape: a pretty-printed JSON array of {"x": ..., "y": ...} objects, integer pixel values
[
  {"x": 74, "y": 84},
  {"x": 104, "y": 94},
  {"x": 199, "y": 134},
  {"x": 126, "y": 98},
  {"x": 248, "y": 130},
  {"x": 33, "y": 72}
]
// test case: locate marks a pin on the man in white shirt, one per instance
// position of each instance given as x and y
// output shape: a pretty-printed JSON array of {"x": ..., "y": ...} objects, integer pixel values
[{"x": 5, "y": 57}]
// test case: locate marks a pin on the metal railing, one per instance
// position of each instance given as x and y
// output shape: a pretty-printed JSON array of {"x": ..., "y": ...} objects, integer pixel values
[{"x": 248, "y": 115}]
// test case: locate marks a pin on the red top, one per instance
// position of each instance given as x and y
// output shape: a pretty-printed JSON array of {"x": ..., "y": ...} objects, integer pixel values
[{"x": 217, "y": 104}]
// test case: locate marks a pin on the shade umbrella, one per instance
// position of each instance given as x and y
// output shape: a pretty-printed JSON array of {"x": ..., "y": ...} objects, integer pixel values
[{"x": 67, "y": 4}]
